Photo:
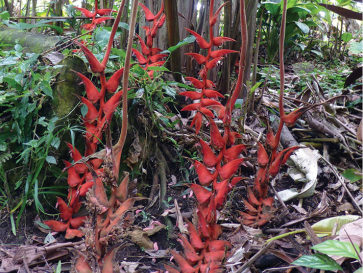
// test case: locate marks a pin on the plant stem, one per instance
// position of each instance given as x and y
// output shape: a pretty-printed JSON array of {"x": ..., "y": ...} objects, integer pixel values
[
  {"x": 125, "y": 80},
  {"x": 237, "y": 90}
]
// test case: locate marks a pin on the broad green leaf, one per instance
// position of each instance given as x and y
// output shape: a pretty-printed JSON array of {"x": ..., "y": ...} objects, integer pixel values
[
  {"x": 326, "y": 226},
  {"x": 303, "y": 27},
  {"x": 187, "y": 40},
  {"x": 338, "y": 248},
  {"x": 4, "y": 15},
  {"x": 59, "y": 267},
  {"x": 319, "y": 261},
  {"x": 356, "y": 47},
  {"x": 352, "y": 175},
  {"x": 158, "y": 68},
  {"x": 347, "y": 36},
  {"x": 124, "y": 25},
  {"x": 318, "y": 53},
  {"x": 51, "y": 159}
]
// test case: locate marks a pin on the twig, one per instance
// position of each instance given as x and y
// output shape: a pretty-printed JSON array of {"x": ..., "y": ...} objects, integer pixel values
[
  {"x": 342, "y": 182},
  {"x": 254, "y": 258}
]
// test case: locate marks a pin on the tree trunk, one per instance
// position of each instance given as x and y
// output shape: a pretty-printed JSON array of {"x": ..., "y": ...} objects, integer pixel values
[
  {"x": 224, "y": 85},
  {"x": 9, "y": 7},
  {"x": 171, "y": 12},
  {"x": 125, "y": 18}
]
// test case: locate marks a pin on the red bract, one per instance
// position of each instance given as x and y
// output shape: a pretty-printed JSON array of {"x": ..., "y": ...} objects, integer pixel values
[
  {"x": 149, "y": 56},
  {"x": 204, "y": 252}
]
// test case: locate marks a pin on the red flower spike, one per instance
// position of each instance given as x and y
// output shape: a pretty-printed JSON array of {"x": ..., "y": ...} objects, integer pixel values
[
  {"x": 103, "y": 12},
  {"x": 218, "y": 41},
  {"x": 71, "y": 233},
  {"x": 213, "y": 20},
  {"x": 56, "y": 225},
  {"x": 233, "y": 152},
  {"x": 206, "y": 112},
  {"x": 86, "y": 12},
  {"x": 73, "y": 177},
  {"x": 204, "y": 176},
  {"x": 96, "y": 163},
  {"x": 200, "y": 40},
  {"x": 155, "y": 50},
  {"x": 252, "y": 198},
  {"x": 249, "y": 207},
  {"x": 140, "y": 58},
  {"x": 202, "y": 194},
  {"x": 107, "y": 261},
  {"x": 88, "y": 27},
  {"x": 185, "y": 267},
  {"x": 215, "y": 256},
  {"x": 95, "y": 65},
  {"x": 197, "y": 122},
  {"x": 236, "y": 180},
  {"x": 221, "y": 193},
  {"x": 210, "y": 268},
  {"x": 76, "y": 155},
  {"x": 291, "y": 118},
  {"x": 171, "y": 269},
  {"x": 221, "y": 53},
  {"x": 203, "y": 226},
  {"x": 288, "y": 152},
  {"x": 82, "y": 266},
  {"x": 110, "y": 106},
  {"x": 216, "y": 231},
  {"x": 262, "y": 156},
  {"x": 77, "y": 222},
  {"x": 268, "y": 202},
  {"x": 217, "y": 140},
  {"x": 157, "y": 57},
  {"x": 197, "y": 83},
  {"x": 191, "y": 94},
  {"x": 149, "y": 16},
  {"x": 161, "y": 21},
  {"x": 212, "y": 93},
  {"x": 92, "y": 93},
  {"x": 210, "y": 84},
  {"x": 92, "y": 112},
  {"x": 85, "y": 187},
  {"x": 218, "y": 245},
  {"x": 65, "y": 211},
  {"x": 144, "y": 49},
  {"x": 230, "y": 168},
  {"x": 213, "y": 63},
  {"x": 189, "y": 250},
  {"x": 101, "y": 20},
  {"x": 114, "y": 81},
  {"x": 191, "y": 107},
  {"x": 200, "y": 59},
  {"x": 160, "y": 63},
  {"x": 209, "y": 158},
  {"x": 211, "y": 211},
  {"x": 194, "y": 236},
  {"x": 123, "y": 188},
  {"x": 271, "y": 140}
]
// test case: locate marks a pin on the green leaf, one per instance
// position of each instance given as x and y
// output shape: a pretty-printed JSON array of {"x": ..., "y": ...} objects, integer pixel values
[
  {"x": 51, "y": 159},
  {"x": 158, "y": 68},
  {"x": 187, "y": 40},
  {"x": 352, "y": 175},
  {"x": 4, "y": 15},
  {"x": 359, "y": 270},
  {"x": 338, "y": 248},
  {"x": 319, "y": 261},
  {"x": 59, "y": 267},
  {"x": 347, "y": 36},
  {"x": 303, "y": 27},
  {"x": 356, "y": 47},
  {"x": 124, "y": 25},
  {"x": 326, "y": 226}
]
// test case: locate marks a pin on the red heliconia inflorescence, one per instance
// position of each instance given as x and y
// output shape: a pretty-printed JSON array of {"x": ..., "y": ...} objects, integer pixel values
[
  {"x": 217, "y": 173},
  {"x": 92, "y": 15},
  {"x": 150, "y": 56},
  {"x": 86, "y": 178}
]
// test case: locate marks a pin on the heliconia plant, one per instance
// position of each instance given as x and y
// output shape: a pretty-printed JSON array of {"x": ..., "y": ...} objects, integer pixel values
[
  {"x": 93, "y": 15},
  {"x": 259, "y": 207},
  {"x": 86, "y": 177},
  {"x": 150, "y": 56},
  {"x": 217, "y": 173}
]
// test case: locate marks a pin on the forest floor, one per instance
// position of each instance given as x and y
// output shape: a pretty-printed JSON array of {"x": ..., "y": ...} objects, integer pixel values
[{"x": 329, "y": 132}]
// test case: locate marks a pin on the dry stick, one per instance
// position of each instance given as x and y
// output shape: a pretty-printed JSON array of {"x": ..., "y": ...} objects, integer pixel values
[
  {"x": 254, "y": 257},
  {"x": 125, "y": 81},
  {"x": 342, "y": 182}
]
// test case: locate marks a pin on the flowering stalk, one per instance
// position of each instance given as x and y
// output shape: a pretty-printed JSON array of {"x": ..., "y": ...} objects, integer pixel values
[
  {"x": 204, "y": 251},
  {"x": 87, "y": 178},
  {"x": 150, "y": 56}
]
